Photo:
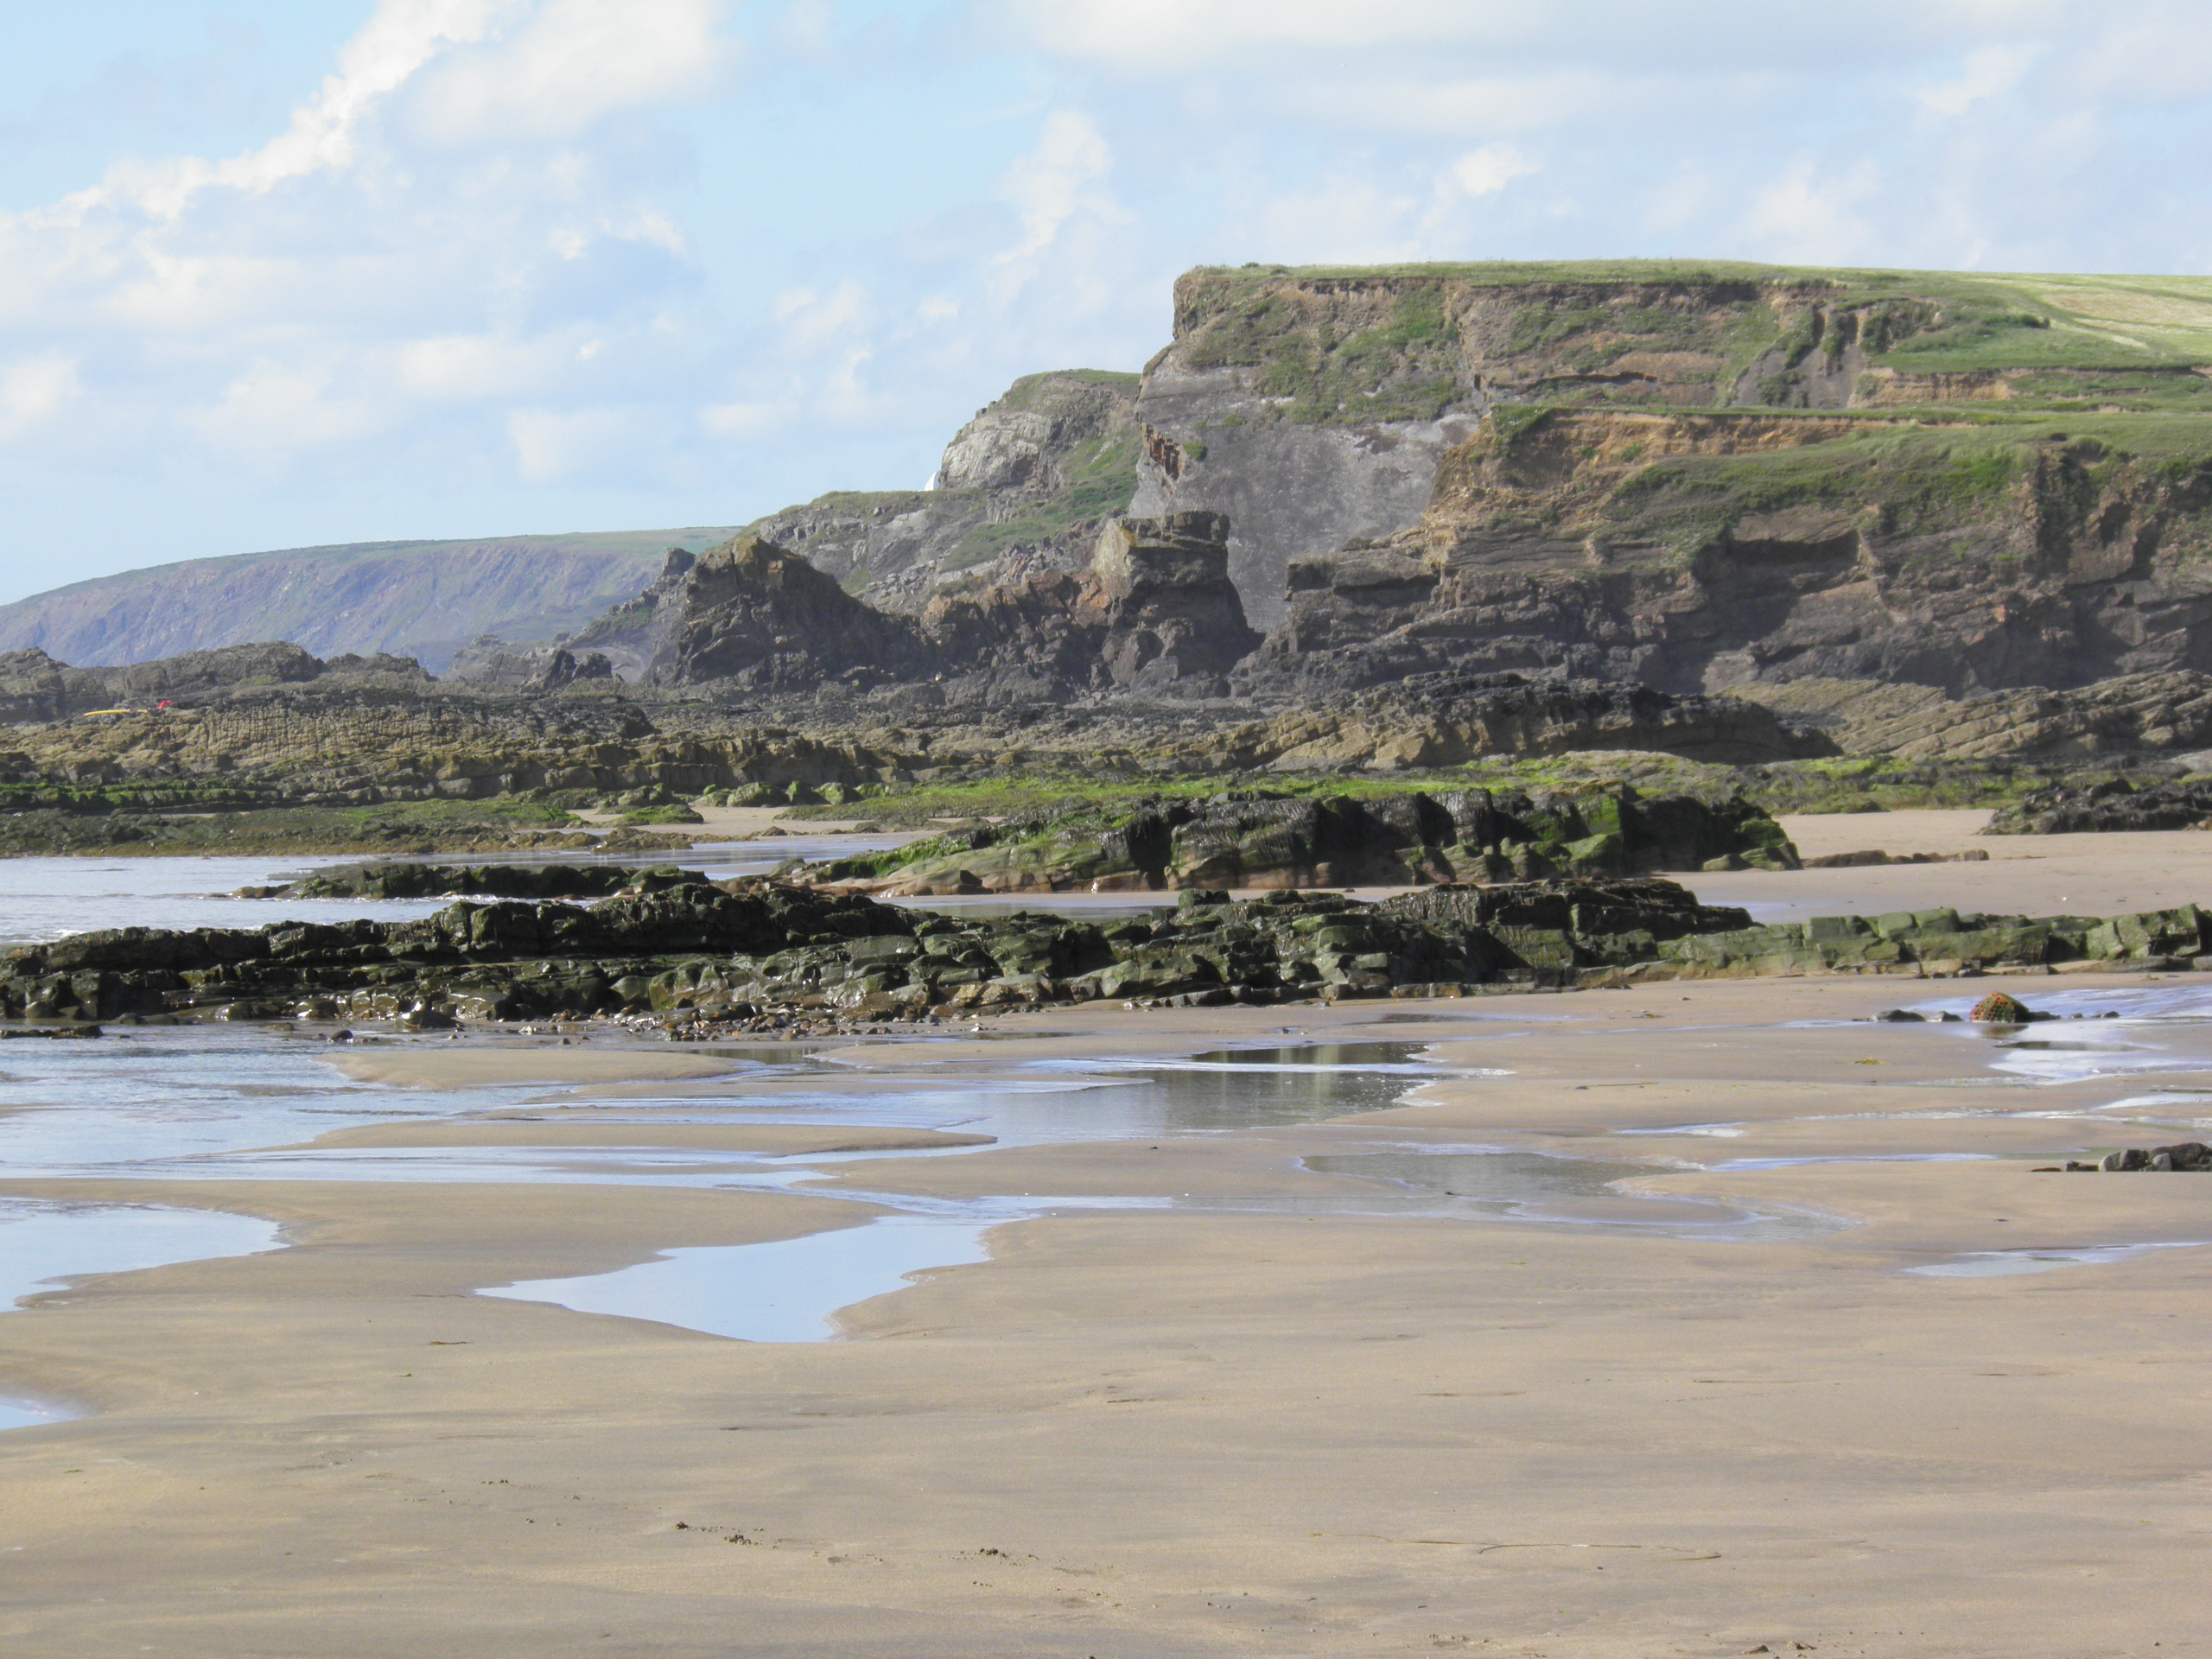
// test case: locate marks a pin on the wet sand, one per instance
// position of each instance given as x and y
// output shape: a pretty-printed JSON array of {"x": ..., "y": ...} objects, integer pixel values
[
  {"x": 1169, "y": 1432},
  {"x": 2080, "y": 876}
]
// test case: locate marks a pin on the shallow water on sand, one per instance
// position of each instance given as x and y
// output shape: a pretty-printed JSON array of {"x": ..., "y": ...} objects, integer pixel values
[
  {"x": 42, "y": 1244},
  {"x": 2006, "y": 1264},
  {"x": 43, "y": 898},
  {"x": 222, "y": 1102},
  {"x": 788, "y": 1290}
]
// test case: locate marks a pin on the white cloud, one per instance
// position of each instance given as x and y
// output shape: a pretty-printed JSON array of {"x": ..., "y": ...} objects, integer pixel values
[
  {"x": 1989, "y": 72},
  {"x": 32, "y": 391},
  {"x": 399, "y": 39},
  {"x": 1486, "y": 171},
  {"x": 274, "y": 408},
  {"x": 304, "y": 294},
  {"x": 810, "y": 318},
  {"x": 559, "y": 446},
  {"x": 1156, "y": 36},
  {"x": 745, "y": 421},
  {"x": 1051, "y": 184},
  {"x": 567, "y": 64},
  {"x": 1803, "y": 217},
  {"x": 473, "y": 367}
]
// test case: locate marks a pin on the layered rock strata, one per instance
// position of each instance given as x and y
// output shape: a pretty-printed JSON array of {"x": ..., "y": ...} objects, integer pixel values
[
  {"x": 1706, "y": 551},
  {"x": 2134, "y": 714}
]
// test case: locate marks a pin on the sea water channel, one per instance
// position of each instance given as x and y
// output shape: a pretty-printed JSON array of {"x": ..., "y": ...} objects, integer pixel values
[{"x": 242, "y": 1102}]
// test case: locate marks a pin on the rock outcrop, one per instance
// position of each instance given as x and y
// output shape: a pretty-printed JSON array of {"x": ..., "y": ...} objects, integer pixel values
[
  {"x": 1154, "y": 613},
  {"x": 1020, "y": 491},
  {"x": 2134, "y": 714},
  {"x": 760, "y": 616},
  {"x": 487, "y": 660},
  {"x": 691, "y": 951},
  {"x": 1257, "y": 840},
  {"x": 415, "y": 880},
  {"x": 35, "y": 688},
  {"x": 1448, "y": 719},
  {"x": 2190, "y": 1157},
  {"x": 2108, "y": 804}
]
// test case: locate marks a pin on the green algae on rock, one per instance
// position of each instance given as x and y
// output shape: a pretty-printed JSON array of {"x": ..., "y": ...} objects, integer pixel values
[{"x": 1261, "y": 839}]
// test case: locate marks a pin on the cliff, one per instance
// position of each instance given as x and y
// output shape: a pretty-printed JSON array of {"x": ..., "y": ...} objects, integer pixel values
[
  {"x": 1711, "y": 551},
  {"x": 1316, "y": 406}
]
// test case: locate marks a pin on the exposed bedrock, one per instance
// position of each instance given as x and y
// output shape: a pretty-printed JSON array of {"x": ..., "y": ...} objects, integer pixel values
[
  {"x": 694, "y": 951},
  {"x": 2133, "y": 713},
  {"x": 1708, "y": 551}
]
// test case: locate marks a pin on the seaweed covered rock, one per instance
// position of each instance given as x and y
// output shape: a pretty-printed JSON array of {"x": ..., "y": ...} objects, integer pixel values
[
  {"x": 694, "y": 951},
  {"x": 411, "y": 880},
  {"x": 2109, "y": 804},
  {"x": 1260, "y": 839}
]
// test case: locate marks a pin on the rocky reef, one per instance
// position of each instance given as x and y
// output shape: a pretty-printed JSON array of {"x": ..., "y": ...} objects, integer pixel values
[
  {"x": 694, "y": 952},
  {"x": 488, "y": 660},
  {"x": 424, "y": 881},
  {"x": 1250, "y": 839}
]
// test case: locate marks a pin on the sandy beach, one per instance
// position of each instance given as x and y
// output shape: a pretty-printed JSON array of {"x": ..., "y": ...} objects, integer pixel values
[{"x": 1703, "y": 1403}]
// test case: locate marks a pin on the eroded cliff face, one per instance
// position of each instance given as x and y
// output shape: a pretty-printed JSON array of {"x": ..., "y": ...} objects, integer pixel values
[
  {"x": 1699, "y": 552},
  {"x": 1315, "y": 408}
]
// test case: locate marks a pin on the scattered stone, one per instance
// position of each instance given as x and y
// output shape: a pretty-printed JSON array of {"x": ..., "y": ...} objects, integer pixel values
[
  {"x": 1998, "y": 1009},
  {"x": 2192, "y": 1157},
  {"x": 1876, "y": 856},
  {"x": 1901, "y": 1017}
]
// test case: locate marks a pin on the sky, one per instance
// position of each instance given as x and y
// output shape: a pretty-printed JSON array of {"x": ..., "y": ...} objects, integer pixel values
[{"x": 279, "y": 273}]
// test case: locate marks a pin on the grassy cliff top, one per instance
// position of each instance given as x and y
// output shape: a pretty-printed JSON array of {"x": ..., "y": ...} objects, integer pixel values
[{"x": 1944, "y": 321}]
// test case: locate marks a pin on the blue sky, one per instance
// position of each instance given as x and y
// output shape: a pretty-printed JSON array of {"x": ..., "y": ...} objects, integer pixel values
[{"x": 274, "y": 274}]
